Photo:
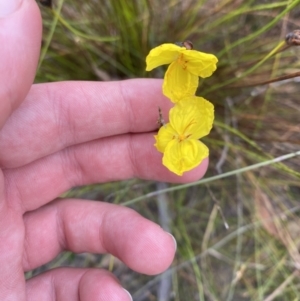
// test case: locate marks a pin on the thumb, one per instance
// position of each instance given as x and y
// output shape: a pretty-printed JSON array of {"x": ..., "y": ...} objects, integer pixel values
[{"x": 20, "y": 40}]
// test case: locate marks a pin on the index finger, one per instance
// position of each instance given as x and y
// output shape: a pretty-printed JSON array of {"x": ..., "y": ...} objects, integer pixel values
[{"x": 57, "y": 115}]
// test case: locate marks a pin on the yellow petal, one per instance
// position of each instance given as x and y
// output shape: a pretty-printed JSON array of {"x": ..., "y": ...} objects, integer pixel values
[
  {"x": 162, "y": 55},
  {"x": 199, "y": 63},
  {"x": 184, "y": 156},
  {"x": 192, "y": 117},
  {"x": 178, "y": 83},
  {"x": 165, "y": 134}
]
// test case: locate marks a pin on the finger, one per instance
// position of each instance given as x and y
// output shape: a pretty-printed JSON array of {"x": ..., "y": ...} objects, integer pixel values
[
  {"x": 12, "y": 284},
  {"x": 58, "y": 115},
  {"x": 104, "y": 160},
  {"x": 67, "y": 284},
  {"x": 95, "y": 227},
  {"x": 20, "y": 39}
]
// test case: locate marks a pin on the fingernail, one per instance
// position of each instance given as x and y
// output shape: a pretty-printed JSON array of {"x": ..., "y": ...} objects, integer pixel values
[
  {"x": 128, "y": 294},
  {"x": 174, "y": 240},
  {"x": 7, "y": 7}
]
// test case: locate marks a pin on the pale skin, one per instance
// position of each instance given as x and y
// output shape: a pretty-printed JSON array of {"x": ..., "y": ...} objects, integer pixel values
[{"x": 59, "y": 135}]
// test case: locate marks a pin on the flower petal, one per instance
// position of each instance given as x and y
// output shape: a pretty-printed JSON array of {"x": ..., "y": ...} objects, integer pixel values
[
  {"x": 165, "y": 134},
  {"x": 162, "y": 55},
  {"x": 192, "y": 117},
  {"x": 200, "y": 63},
  {"x": 184, "y": 156},
  {"x": 179, "y": 83}
]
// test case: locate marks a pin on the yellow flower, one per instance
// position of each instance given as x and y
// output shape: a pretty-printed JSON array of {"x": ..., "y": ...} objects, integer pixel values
[
  {"x": 186, "y": 66},
  {"x": 190, "y": 120}
]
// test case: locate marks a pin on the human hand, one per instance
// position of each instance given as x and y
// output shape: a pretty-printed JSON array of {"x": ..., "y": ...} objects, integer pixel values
[{"x": 59, "y": 135}]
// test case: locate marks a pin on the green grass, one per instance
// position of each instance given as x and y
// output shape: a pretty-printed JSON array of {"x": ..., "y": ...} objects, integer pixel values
[{"x": 108, "y": 40}]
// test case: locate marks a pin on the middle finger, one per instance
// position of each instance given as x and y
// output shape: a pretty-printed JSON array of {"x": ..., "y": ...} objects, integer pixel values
[{"x": 103, "y": 160}]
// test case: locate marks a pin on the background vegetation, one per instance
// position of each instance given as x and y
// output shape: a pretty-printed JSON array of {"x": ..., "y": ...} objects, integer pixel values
[{"x": 256, "y": 257}]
